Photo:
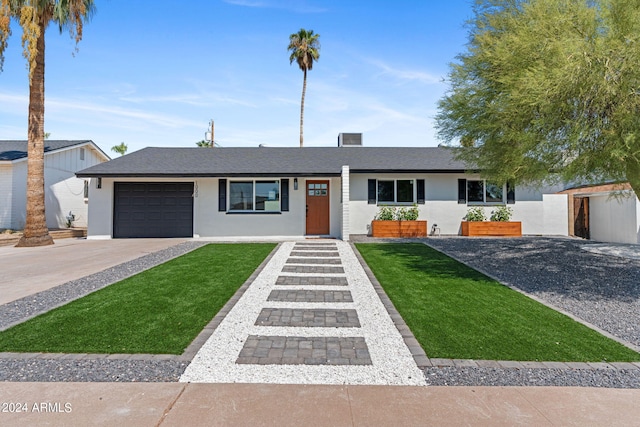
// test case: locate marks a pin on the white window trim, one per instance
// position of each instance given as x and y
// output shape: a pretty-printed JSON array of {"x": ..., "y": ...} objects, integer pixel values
[
  {"x": 395, "y": 202},
  {"x": 253, "y": 182}
]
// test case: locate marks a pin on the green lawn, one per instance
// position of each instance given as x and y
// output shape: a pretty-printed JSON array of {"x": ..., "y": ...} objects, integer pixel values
[
  {"x": 457, "y": 312},
  {"x": 158, "y": 311}
]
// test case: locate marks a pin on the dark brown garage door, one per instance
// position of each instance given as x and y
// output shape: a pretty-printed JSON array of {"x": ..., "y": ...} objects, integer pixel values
[{"x": 153, "y": 209}]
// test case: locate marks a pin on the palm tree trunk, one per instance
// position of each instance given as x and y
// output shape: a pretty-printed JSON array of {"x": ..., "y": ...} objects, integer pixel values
[
  {"x": 304, "y": 89},
  {"x": 35, "y": 229}
]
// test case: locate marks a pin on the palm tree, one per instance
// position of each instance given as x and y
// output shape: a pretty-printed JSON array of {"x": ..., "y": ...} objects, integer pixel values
[
  {"x": 120, "y": 148},
  {"x": 305, "y": 49},
  {"x": 34, "y": 16}
]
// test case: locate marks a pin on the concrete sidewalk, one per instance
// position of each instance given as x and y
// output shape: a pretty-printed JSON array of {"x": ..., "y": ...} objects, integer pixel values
[{"x": 135, "y": 404}]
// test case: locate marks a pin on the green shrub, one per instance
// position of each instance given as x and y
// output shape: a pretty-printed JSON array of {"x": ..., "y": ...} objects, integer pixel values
[
  {"x": 501, "y": 213},
  {"x": 408, "y": 214},
  {"x": 475, "y": 214},
  {"x": 386, "y": 213},
  {"x": 390, "y": 213}
]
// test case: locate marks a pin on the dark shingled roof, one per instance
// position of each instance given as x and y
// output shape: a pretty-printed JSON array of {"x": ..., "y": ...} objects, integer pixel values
[
  {"x": 14, "y": 150},
  {"x": 265, "y": 161}
]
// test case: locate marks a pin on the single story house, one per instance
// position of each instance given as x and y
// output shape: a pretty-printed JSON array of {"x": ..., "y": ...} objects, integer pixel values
[
  {"x": 295, "y": 192},
  {"x": 604, "y": 213},
  {"x": 64, "y": 192}
]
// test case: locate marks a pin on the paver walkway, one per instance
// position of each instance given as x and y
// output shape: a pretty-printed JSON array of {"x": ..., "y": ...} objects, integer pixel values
[{"x": 310, "y": 317}]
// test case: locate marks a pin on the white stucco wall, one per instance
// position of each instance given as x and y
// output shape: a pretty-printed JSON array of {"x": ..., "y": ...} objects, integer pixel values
[
  {"x": 6, "y": 194},
  {"x": 209, "y": 222},
  {"x": 100, "y": 212},
  {"x": 614, "y": 219},
  {"x": 539, "y": 214}
]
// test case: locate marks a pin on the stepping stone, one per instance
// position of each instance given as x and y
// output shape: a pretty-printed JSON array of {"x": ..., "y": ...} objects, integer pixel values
[
  {"x": 281, "y": 350},
  {"x": 311, "y": 269},
  {"x": 310, "y": 296},
  {"x": 332, "y": 261},
  {"x": 311, "y": 280},
  {"x": 315, "y": 248},
  {"x": 304, "y": 317},
  {"x": 316, "y": 254}
]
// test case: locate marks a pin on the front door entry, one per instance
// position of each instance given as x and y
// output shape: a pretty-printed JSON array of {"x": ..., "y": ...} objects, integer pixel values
[{"x": 318, "y": 207}]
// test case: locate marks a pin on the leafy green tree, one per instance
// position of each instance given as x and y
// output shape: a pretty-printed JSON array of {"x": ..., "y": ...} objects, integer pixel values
[
  {"x": 305, "y": 49},
  {"x": 548, "y": 88},
  {"x": 34, "y": 16},
  {"x": 120, "y": 148},
  {"x": 203, "y": 143}
]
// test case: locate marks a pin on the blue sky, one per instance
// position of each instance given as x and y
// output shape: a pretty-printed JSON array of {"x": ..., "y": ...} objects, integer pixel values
[{"x": 156, "y": 76}]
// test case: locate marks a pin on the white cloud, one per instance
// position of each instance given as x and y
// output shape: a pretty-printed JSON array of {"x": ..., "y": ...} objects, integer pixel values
[{"x": 406, "y": 75}]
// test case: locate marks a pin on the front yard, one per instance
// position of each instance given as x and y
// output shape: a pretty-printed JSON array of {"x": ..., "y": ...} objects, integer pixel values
[
  {"x": 158, "y": 311},
  {"x": 456, "y": 312}
]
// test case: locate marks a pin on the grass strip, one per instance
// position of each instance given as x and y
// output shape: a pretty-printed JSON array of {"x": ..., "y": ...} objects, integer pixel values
[
  {"x": 158, "y": 311},
  {"x": 457, "y": 312}
]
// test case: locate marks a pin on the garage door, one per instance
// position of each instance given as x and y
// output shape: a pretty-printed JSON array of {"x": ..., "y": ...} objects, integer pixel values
[{"x": 153, "y": 209}]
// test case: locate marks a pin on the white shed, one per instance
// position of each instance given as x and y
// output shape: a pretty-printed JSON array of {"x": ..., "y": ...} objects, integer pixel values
[{"x": 604, "y": 213}]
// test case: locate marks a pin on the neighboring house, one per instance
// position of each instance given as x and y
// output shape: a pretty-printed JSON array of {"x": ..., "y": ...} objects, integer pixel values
[
  {"x": 294, "y": 192},
  {"x": 605, "y": 213},
  {"x": 64, "y": 192}
]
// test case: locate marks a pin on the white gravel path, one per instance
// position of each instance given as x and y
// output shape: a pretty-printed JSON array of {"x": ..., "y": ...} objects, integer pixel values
[{"x": 393, "y": 364}]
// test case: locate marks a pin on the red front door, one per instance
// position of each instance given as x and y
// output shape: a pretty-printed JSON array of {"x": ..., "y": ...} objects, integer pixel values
[{"x": 317, "y": 207}]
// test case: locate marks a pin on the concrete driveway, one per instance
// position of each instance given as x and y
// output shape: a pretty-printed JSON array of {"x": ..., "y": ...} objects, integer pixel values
[{"x": 26, "y": 271}]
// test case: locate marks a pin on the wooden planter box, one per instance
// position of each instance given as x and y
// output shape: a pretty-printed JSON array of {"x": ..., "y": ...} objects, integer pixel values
[
  {"x": 492, "y": 228},
  {"x": 398, "y": 228}
]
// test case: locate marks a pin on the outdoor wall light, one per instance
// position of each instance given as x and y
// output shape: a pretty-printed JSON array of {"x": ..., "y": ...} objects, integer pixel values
[
  {"x": 98, "y": 182},
  {"x": 295, "y": 183}
]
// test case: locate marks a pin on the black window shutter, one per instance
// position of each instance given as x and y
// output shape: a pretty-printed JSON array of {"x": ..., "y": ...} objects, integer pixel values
[
  {"x": 420, "y": 191},
  {"x": 284, "y": 194},
  {"x": 222, "y": 195},
  {"x": 462, "y": 191},
  {"x": 372, "y": 191},
  {"x": 511, "y": 193}
]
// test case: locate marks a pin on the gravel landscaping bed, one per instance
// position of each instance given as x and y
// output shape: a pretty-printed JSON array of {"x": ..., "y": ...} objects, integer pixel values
[
  {"x": 610, "y": 378},
  {"x": 90, "y": 370}
]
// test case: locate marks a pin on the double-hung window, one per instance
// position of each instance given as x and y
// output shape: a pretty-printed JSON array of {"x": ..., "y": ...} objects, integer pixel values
[
  {"x": 248, "y": 196},
  {"x": 396, "y": 191}
]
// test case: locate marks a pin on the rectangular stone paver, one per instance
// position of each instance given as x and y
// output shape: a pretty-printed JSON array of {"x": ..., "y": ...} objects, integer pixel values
[
  {"x": 315, "y": 248},
  {"x": 310, "y": 296},
  {"x": 323, "y": 318},
  {"x": 319, "y": 269},
  {"x": 315, "y": 261},
  {"x": 319, "y": 254},
  {"x": 281, "y": 350},
  {"x": 311, "y": 280},
  {"x": 316, "y": 243}
]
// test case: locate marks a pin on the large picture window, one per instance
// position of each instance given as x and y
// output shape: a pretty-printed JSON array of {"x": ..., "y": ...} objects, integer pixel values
[
  {"x": 396, "y": 191},
  {"x": 254, "y": 196}
]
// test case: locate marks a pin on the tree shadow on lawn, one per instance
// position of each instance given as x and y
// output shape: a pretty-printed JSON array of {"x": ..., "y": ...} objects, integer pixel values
[{"x": 552, "y": 265}]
